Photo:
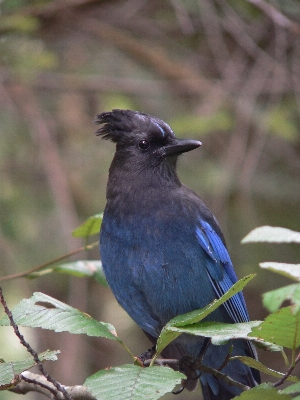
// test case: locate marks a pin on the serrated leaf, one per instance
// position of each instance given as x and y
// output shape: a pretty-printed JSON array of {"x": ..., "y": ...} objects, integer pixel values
[
  {"x": 195, "y": 316},
  {"x": 90, "y": 227},
  {"x": 131, "y": 382},
  {"x": 251, "y": 362},
  {"x": 289, "y": 270},
  {"x": 292, "y": 389},
  {"x": 273, "y": 300},
  {"x": 83, "y": 268},
  {"x": 43, "y": 311},
  {"x": 281, "y": 328},
  {"x": 219, "y": 332},
  {"x": 9, "y": 369},
  {"x": 263, "y": 392},
  {"x": 273, "y": 235}
]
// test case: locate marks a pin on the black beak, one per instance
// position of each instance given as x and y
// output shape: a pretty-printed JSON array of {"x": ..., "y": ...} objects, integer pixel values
[{"x": 180, "y": 146}]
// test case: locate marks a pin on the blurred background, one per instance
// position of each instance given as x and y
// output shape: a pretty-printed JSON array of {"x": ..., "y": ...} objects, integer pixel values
[{"x": 222, "y": 71}]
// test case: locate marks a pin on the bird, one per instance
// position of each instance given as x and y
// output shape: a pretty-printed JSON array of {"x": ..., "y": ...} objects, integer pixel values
[{"x": 162, "y": 249}]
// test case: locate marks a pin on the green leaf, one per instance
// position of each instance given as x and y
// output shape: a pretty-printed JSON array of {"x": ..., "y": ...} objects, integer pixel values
[
  {"x": 273, "y": 300},
  {"x": 292, "y": 389},
  {"x": 289, "y": 270},
  {"x": 167, "y": 336},
  {"x": 84, "y": 268},
  {"x": 131, "y": 382},
  {"x": 42, "y": 311},
  {"x": 220, "y": 332},
  {"x": 273, "y": 235},
  {"x": 90, "y": 227},
  {"x": 9, "y": 369},
  {"x": 263, "y": 392},
  {"x": 281, "y": 328},
  {"x": 251, "y": 362}
]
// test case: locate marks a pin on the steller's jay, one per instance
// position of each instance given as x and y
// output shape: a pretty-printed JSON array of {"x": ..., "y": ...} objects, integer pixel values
[{"x": 162, "y": 249}]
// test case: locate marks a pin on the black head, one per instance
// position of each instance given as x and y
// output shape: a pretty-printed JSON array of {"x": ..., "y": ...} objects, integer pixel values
[{"x": 141, "y": 136}]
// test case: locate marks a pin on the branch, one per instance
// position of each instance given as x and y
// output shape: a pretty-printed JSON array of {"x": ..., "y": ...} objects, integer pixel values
[
  {"x": 31, "y": 351},
  {"x": 37, "y": 383},
  {"x": 223, "y": 377},
  {"x": 288, "y": 372},
  {"x": 276, "y": 16},
  {"x": 196, "y": 365},
  {"x": 48, "y": 263}
]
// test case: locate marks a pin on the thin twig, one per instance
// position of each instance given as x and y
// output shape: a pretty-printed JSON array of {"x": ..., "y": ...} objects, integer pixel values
[
  {"x": 48, "y": 263},
  {"x": 31, "y": 351},
  {"x": 223, "y": 377},
  {"x": 198, "y": 366},
  {"x": 36, "y": 382},
  {"x": 288, "y": 372},
  {"x": 161, "y": 361}
]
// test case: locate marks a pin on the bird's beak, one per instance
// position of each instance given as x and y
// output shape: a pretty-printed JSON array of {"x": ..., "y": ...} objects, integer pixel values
[{"x": 181, "y": 146}]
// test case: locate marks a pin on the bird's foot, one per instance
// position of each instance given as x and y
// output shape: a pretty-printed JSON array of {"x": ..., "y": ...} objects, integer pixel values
[{"x": 147, "y": 355}]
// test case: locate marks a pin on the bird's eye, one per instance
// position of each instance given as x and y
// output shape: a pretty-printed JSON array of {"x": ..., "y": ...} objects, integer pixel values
[{"x": 144, "y": 145}]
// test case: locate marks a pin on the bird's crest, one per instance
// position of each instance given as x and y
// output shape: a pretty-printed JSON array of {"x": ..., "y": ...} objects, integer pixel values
[{"x": 121, "y": 124}]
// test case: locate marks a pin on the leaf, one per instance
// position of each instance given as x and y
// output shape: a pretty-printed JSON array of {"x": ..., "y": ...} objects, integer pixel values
[
  {"x": 281, "y": 328},
  {"x": 263, "y": 392},
  {"x": 292, "y": 389},
  {"x": 8, "y": 370},
  {"x": 42, "y": 311},
  {"x": 84, "y": 268},
  {"x": 90, "y": 227},
  {"x": 133, "y": 382},
  {"x": 273, "y": 235},
  {"x": 166, "y": 336},
  {"x": 251, "y": 362},
  {"x": 289, "y": 270},
  {"x": 220, "y": 332},
  {"x": 273, "y": 300}
]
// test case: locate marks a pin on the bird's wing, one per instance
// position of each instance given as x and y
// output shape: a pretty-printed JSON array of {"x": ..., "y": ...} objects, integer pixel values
[{"x": 220, "y": 270}]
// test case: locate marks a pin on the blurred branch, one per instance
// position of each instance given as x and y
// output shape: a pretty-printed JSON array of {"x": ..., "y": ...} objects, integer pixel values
[
  {"x": 182, "y": 15},
  {"x": 52, "y": 164},
  {"x": 59, "y": 81},
  {"x": 92, "y": 83},
  {"x": 179, "y": 74},
  {"x": 51, "y": 7},
  {"x": 56, "y": 387},
  {"x": 276, "y": 16},
  {"x": 49, "y": 263}
]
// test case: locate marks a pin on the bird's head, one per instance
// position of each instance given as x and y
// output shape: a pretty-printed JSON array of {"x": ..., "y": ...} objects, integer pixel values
[{"x": 141, "y": 139}]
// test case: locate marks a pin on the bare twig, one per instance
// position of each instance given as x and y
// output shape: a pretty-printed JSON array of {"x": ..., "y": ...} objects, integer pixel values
[
  {"x": 288, "y": 372},
  {"x": 223, "y": 377},
  {"x": 161, "y": 361},
  {"x": 30, "y": 350},
  {"x": 47, "y": 264},
  {"x": 38, "y": 383},
  {"x": 196, "y": 365}
]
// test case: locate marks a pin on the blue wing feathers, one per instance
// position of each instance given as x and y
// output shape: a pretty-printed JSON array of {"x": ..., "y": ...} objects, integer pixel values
[{"x": 220, "y": 270}]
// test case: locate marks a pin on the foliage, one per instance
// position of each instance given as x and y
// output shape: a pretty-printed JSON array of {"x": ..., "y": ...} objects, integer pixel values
[
  {"x": 224, "y": 72},
  {"x": 279, "y": 330}
]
